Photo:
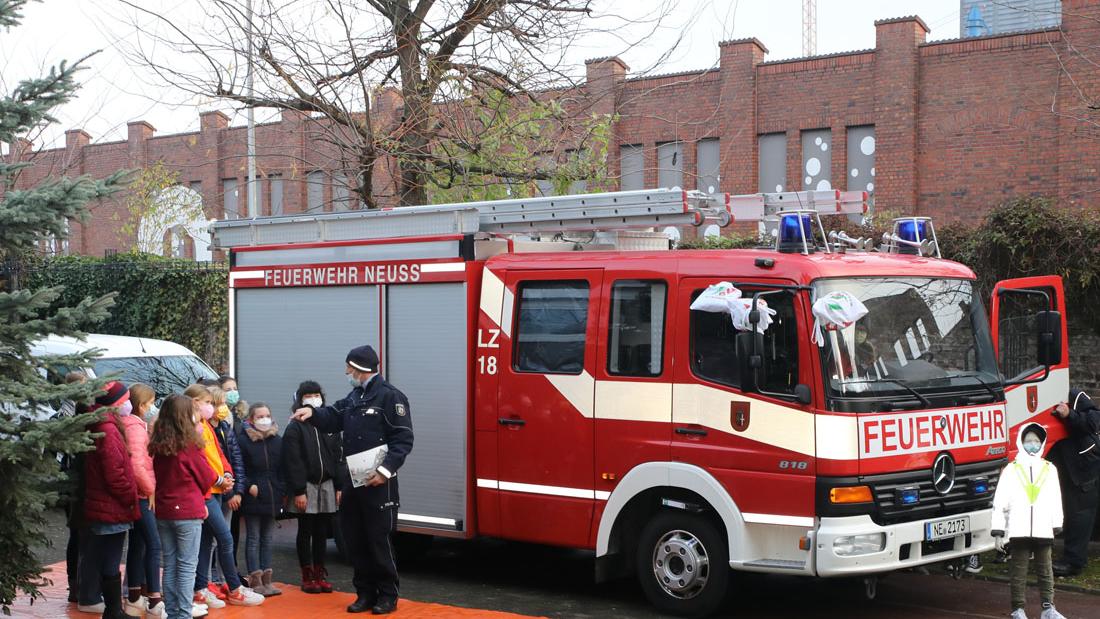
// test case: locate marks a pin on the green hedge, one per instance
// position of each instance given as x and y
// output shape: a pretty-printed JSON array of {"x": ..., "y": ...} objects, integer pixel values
[{"x": 164, "y": 298}]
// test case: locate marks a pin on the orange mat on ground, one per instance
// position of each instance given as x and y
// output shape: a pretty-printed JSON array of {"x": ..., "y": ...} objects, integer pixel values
[{"x": 291, "y": 604}]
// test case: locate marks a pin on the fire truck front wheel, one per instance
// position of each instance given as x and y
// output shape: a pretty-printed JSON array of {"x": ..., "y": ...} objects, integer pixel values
[{"x": 682, "y": 564}]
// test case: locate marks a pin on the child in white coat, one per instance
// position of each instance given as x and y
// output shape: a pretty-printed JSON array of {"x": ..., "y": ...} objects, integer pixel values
[{"x": 1027, "y": 509}]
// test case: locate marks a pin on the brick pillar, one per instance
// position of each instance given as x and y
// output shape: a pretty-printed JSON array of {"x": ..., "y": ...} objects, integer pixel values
[
  {"x": 604, "y": 78},
  {"x": 81, "y": 237},
  {"x": 75, "y": 141},
  {"x": 737, "y": 63},
  {"x": 212, "y": 126},
  {"x": 292, "y": 127},
  {"x": 1078, "y": 135},
  {"x": 388, "y": 106},
  {"x": 897, "y": 76},
  {"x": 137, "y": 136}
]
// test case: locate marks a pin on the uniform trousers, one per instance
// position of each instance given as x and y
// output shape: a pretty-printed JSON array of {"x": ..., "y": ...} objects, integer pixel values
[
  {"x": 1080, "y": 507},
  {"x": 368, "y": 533}
]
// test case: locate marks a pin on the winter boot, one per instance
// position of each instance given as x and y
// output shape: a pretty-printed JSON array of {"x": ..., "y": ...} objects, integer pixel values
[
  {"x": 309, "y": 582},
  {"x": 269, "y": 588},
  {"x": 255, "y": 582},
  {"x": 112, "y": 598},
  {"x": 319, "y": 576}
]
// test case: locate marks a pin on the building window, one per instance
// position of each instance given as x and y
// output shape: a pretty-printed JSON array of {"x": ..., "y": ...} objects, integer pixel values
[
  {"x": 550, "y": 327},
  {"x": 631, "y": 167},
  {"x": 817, "y": 159},
  {"x": 340, "y": 194},
  {"x": 670, "y": 165},
  {"x": 257, "y": 186},
  {"x": 230, "y": 198},
  {"x": 861, "y": 158},
  {"x": 573, "y": 162},
  {"x": 195, "y": 186},
  {"x": 707, "y": 165},
  {"x": 636, "y": 334},
  {"x": 545, "y": 186},
  {"x": 315, "y": 191},
  {"x": 276, "y": 193},
  {"x": 773, "y": 162}
]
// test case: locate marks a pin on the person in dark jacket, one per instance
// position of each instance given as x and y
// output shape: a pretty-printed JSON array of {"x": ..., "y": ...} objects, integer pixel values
[
  {"x": 1078, "y": 459},
  {"x": 377, "y": 422},
  {"x": 226, "y": 433},
  {"x": 315, "y": 474},
  {"x": 261, "y": 449},
  {"x": 110, "y": 504}
]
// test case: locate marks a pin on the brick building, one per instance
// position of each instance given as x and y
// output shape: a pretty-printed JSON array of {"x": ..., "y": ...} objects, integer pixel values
[{"x": 947, "y": 129}]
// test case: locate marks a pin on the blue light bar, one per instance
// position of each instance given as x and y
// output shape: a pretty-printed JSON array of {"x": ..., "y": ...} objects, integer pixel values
[
  {"x": 979, "y": 486},
  {"x": 794, "y": 228},
  {"x": 907, "y": 496},
  {"x": 914, "y": 230}
]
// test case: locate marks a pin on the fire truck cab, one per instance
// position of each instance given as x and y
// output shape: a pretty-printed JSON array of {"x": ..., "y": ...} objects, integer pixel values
[{"x": 574, "y": 398}]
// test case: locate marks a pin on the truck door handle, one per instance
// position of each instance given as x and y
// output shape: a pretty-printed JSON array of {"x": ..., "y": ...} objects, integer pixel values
[
  {"x": 691, "y": 431},
  {"x": 510, "y": 421}
]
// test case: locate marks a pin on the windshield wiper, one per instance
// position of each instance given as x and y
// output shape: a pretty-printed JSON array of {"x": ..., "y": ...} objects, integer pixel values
[
  {"x": 988, "y": 387},
  {"x": 904, "y": 385}
]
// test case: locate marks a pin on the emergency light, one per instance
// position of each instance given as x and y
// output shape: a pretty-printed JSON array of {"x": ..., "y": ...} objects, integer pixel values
[
  {"x": 796, "y": 232},
  {"x": 979, "y": 486},
  {"x": 912, "y": 235},
  {"x": 909, "y": 495}
]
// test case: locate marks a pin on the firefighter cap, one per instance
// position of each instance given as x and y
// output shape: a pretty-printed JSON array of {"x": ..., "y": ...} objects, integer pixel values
[{"x": 363, "y": 358}]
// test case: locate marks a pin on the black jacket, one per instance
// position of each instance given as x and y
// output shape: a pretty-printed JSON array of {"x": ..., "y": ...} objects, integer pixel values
[
  {"x": 262, "y": 468},
  {"x": 1078, "y": 455},
  {"x": 310, "y": 455},
  {"x": 377, "y": 414}
]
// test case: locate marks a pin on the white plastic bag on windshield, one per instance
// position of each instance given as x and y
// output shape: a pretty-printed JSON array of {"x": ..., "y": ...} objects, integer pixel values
[
  {"x": 836, "y": 310},
  {"x": 725, "y": 297}
]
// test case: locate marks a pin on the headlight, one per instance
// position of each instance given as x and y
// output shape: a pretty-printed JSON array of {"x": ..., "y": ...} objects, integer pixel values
[{"x": 853, "y": 545}]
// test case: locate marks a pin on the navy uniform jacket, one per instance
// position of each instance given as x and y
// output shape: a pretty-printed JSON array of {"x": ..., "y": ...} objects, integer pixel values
[{"x": 371, "y": 416}]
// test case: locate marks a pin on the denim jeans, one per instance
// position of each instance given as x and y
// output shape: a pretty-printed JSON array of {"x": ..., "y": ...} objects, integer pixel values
[
  {"x": 179, "y": 540},
  {"x": 257, "y": 547},
  {"x": 143, "y": 555},
  {"x": 215, "y": 528},
  {"x": 102, "y": 559}
]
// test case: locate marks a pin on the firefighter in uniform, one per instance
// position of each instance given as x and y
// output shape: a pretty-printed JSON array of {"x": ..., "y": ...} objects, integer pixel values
[{"x": 375, "y": 413}]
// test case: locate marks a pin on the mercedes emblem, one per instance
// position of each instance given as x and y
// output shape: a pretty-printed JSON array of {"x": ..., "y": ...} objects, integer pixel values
[{"x": 943, "y": 473}]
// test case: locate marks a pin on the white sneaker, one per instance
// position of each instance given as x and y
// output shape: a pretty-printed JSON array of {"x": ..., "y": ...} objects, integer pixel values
[
  {"x": 92, "y": 608},
  {"x": 157, "y": 610},
  {"x": 135, "y": 609},
  {"x": 244, "y": 596},
  {"x": 1049, "y": 612},
  {"x": 210, "y": 599},
  {"x": 1018, "y": 614},
  {"x": 198, "y": 610}
]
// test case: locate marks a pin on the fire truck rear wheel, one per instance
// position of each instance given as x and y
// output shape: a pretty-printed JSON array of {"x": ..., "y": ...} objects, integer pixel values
[{"x": 683, "y": 564}]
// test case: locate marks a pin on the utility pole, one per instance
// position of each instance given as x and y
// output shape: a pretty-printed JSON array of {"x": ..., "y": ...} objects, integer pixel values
[
  {"x": 809, "y": 27},
  {"x": 253, "y": 209}
]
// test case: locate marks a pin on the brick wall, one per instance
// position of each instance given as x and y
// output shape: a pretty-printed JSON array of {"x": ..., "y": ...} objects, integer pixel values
[{"x": 959, "y": 125}]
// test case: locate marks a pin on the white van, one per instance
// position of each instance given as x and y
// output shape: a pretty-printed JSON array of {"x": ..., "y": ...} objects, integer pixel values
[{"x": 165, "y": 366}]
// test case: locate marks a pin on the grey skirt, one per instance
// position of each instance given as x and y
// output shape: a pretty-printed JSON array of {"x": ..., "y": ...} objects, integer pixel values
[{"x": 320, "y": 499}]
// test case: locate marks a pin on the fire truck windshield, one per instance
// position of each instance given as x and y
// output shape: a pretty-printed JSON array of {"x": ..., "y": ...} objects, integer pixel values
[{"x": 919, "y": 334}]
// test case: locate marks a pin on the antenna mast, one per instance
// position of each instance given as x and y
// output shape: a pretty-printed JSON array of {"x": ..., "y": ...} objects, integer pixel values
[{"x": 809, "y": 27}]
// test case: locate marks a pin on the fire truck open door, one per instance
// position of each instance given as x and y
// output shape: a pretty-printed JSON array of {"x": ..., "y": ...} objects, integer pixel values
[{"x": 1030, "y": 338}]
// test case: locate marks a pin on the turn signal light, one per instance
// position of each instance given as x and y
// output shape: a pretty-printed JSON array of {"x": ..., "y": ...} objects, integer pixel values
[{"x": 850, "y": 494}]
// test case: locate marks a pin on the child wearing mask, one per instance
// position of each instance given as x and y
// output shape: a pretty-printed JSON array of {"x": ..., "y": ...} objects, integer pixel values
[
  {"x": 183, "y": 476},
  {"x": 262, "y": 448},
  {"x": 143, "y": 553},
  {"x": 237, "y": 406},
  {"x": 215, "y": 528},
  {"x": 110, "y": 504},
  {"x": 1027, "y": 510},
  {"x": 313, "y": 467},
  {"x": 231, "y": 499}
]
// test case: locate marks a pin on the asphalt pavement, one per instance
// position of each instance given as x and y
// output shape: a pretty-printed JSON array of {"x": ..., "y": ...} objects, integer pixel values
[{"x": 555, "y": 582}]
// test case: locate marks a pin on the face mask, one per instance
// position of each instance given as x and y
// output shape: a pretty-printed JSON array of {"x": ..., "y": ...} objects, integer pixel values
[
  {"x": 314, "y": 402},
  {"x": 152, "y": 412},
  {"x": 223, "y": 412},
  {"x": 232, "y": 397},
  {"x": 353, "y": 381},
  {"x": 206, "y": 409},
  {"x": 1032, "y": 447},
  {"x": 125, "y": 408},
  {"x": 262, "y": 424}
]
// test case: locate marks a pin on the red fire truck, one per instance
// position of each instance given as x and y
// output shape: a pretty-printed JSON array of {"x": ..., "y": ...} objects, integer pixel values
[{"x": 564, "y": 392}]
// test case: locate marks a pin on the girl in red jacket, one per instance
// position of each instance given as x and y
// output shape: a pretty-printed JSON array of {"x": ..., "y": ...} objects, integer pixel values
[
  {"x": 182, "y": 479},
  {"x": 143, "y": 553},
  {"x": 110, "y": 501}
]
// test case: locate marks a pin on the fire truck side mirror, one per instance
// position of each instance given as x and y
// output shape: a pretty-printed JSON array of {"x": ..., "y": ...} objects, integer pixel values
[
  {"x": 1049, "y": 327},
  {"x": 802, "y": 394}
]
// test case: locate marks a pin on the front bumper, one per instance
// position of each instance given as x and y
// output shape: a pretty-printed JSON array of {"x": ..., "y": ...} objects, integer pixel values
[{"x": 904, "y": 548}]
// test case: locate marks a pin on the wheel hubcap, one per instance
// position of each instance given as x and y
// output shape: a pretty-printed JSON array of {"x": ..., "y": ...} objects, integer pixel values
[{"x": 681, "y": 564}]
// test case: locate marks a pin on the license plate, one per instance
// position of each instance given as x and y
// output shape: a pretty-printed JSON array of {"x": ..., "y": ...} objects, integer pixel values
[{"x": 948, "y": 527}]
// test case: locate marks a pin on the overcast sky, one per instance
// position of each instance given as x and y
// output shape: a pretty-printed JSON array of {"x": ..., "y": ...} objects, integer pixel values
[{"x": 116, "y": 92}]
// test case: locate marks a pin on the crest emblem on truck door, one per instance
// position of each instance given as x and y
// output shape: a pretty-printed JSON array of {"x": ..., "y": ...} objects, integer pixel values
[
  {"x": 1032, "y": 398},
  {"x": 739, "y": 416}
]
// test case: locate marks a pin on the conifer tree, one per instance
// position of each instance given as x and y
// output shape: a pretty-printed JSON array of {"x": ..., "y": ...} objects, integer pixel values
[{"x": 30, "y": 436}]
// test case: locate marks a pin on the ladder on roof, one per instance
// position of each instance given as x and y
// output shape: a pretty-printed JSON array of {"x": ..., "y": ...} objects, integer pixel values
[{"x": 610, "y": 211}]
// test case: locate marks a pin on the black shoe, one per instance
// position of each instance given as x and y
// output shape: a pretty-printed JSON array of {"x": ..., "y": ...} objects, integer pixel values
[
  {"x": 384, "y": 607},
  {"x": 361, "y": 604},
  {"x": 1061, "y": 568}
]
